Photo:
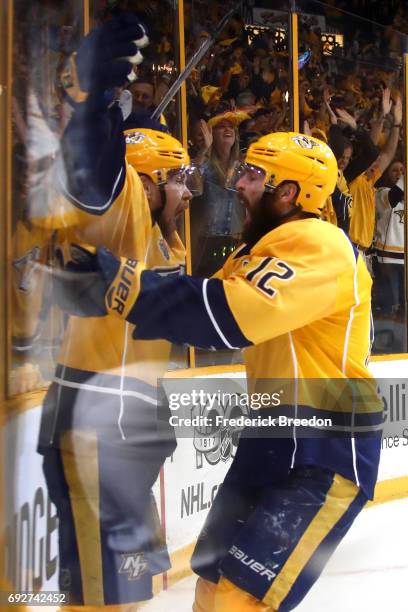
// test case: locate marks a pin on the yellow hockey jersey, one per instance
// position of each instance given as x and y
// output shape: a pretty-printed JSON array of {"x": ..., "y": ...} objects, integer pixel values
[
  {"x": 103, "y": 344},
  {"x": 103, "y": 379},
  {"x": 298, "y": 302}
]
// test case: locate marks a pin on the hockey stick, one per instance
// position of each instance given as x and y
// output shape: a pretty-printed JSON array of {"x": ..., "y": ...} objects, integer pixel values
[{"x": 192, "y": 62}]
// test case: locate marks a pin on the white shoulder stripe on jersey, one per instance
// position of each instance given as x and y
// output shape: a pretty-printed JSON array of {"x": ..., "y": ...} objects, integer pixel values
[
  {"x": 345, "y": 352},
  {"x": 122, "y": 381},
  {"x": 212, "y": 318},
  {"x": 108, "y": 390},
  {"x": 295, "y": 377},
  {"x": 351, "y": 316},
  {"x": 87, "y": 206}
]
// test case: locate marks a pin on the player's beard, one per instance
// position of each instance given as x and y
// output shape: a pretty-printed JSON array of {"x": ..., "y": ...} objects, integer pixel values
[{"x": 264, "y": 218}]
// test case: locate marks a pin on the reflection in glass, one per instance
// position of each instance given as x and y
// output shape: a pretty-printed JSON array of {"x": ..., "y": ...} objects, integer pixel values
[
  {"x": 44, "y": 36},
  {"x": 101, "y": 436}
]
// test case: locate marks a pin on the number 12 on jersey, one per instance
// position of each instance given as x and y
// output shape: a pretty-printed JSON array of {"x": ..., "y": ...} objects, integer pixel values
[{"x": 267, "y": 269}]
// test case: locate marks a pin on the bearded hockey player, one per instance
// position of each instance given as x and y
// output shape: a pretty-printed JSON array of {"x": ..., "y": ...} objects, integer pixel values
[
  {"x": 296, "y": 298},
  {"x": 100, "y": 435}
]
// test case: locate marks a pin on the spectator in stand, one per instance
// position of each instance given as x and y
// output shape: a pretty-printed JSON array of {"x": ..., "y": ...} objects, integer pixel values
[
  {"x": 389, "y": 247},
  {"x": 392, "y": 174},
  {"x": 362, "y": 225},
  {"x": 246, "y": 100},
  {"x": 142, "y": 92},
  {"x": 143, "y": 101},
  {"x": 247, "y": 134},
  {"x": 265, "y": 80},
  {"x": 262, "y": 121},
  {"x": 200, "y": 141},
  {"x": 349, "y": 166},
  {"x": 217, "y": 215}
]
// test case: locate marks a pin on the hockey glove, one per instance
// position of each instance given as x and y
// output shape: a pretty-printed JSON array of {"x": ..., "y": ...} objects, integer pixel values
[
  {"x": 105, "y": 57},
  {"x": 97, "y": 285},
  {"x": 80, "y": 286}
]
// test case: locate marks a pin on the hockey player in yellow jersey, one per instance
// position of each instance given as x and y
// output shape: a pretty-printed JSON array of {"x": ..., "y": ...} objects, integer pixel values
[
  {"x": 296, "y": 298},
  {"x": 101, "y": 437},
  {"x": 102, "y": 407},
  {"x": 150, "y": 200}
]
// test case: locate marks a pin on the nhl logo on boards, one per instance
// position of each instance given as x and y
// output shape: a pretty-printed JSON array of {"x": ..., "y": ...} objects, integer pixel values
[
  {"x": 134, "y": 565},
  {"x": 305, "y": 142}
]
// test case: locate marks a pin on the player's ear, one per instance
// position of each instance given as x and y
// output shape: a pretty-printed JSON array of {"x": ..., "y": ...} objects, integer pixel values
[
  {"x": 288, "y": 192},
  {"x": 148, "y": 186}
]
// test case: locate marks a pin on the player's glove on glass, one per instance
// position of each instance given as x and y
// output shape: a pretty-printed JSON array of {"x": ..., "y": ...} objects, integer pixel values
[{"x": 105, "y": 56}]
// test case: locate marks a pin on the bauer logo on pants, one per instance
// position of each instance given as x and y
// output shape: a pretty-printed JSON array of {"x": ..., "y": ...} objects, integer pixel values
[{"x": 255, "y": 566}]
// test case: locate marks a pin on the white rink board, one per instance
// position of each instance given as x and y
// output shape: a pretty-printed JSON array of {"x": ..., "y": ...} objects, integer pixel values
[
  {"x": 31, "y": 523},
  {"x": 394, "y": 460},
  {"x": 190, "y": 486}
]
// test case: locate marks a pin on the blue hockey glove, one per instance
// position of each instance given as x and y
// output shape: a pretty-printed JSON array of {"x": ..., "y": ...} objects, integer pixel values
[
  {"x": 105, "y": 57},
  {"x": 80, "y": 286}
]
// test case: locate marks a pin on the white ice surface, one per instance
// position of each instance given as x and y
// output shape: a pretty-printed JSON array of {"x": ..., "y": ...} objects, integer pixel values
[{"x": 367, "y": 573}]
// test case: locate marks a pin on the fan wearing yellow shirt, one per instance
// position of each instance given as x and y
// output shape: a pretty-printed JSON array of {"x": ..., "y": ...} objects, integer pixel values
[
  {"x": 296, "y": 297},
  {"x": 362, "y": 190}
]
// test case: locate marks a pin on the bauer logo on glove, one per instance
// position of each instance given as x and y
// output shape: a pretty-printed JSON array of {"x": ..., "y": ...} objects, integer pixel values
[
  {"x": 124, "y": 290},
  {"x": 97, "y": 284}
]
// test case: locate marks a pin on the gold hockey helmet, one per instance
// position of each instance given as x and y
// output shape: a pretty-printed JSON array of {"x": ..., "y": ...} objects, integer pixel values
[
  {"x": 290, "y": 156},
  {"x": 155, "y": 153}
]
